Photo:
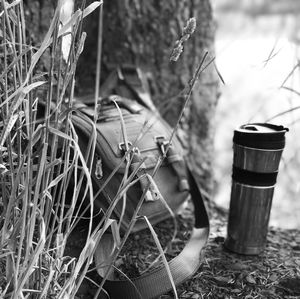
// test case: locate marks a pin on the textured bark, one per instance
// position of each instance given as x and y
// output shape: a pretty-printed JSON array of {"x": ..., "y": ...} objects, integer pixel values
[
  {"x": 144, "y": 32},
  {"x": 38, "y": 16}
]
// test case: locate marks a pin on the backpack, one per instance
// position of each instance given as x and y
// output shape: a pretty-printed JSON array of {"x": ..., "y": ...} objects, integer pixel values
[{"x": 133, "y": 140}]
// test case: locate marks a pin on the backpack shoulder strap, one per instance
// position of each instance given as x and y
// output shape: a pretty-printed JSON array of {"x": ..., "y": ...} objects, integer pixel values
[
  {"x": 128, "y": 81},
  {"x": 183, "y": 266}
]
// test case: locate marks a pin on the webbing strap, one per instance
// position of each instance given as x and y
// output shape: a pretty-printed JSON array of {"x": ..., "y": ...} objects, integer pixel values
[
  {"x": 156, "y": 283},
  {"x": 152, "y": 194},
  {"x": 128, "y": 81},
  {"x": 176, "y": 161}
]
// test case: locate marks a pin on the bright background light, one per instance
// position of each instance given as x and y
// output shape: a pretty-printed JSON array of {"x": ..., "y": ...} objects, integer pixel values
[{"x": 255, "y": 57}]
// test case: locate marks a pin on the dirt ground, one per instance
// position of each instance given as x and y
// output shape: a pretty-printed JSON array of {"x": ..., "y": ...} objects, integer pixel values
[{"x": 273, "y": 274}]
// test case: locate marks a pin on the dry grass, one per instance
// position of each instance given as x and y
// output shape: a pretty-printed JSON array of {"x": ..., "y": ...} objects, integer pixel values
[
  {"x": 38, "y": 159},
  {"x": 40, "y": 156}
]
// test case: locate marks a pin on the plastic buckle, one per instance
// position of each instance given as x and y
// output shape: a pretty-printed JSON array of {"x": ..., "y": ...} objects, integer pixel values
[
  {"x": 122, "y": 146},
  {"x": 162, "y": 143},
  {"x": 136, "y": 150},
  {"x": 99, "y": 169}
]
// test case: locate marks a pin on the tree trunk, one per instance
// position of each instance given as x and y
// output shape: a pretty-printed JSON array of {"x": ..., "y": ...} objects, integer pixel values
[{"x": 143, "y": 33}]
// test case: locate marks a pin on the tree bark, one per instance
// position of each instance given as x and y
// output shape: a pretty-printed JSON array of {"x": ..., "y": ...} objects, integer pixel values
[{"x": 144, "y": 33}]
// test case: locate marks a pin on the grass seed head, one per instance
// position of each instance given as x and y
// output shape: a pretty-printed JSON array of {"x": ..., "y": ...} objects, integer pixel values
[
  {"x": 176, "y": 51},
  {"x": 187, "y": 31},
  {"x": 190, "y": 27}
]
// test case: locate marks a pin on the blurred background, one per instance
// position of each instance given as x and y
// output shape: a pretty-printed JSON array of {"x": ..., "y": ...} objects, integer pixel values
[{"x": 257, "y": 54}]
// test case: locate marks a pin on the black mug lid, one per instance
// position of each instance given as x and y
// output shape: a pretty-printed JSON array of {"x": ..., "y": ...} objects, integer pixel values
[{"x": 260, "y": 135}]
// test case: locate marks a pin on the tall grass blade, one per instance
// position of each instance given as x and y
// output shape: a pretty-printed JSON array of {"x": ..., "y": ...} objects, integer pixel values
[
  {"x": 161, "y": 252},
  {"x": 33, "y": 257}
]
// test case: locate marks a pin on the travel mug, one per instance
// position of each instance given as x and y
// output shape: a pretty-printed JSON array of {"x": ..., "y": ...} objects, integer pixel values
[{"x": 257, "y": 152}]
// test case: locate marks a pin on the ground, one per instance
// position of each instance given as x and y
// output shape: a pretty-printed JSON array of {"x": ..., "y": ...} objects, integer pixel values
[{"x": 223, "y": 274}]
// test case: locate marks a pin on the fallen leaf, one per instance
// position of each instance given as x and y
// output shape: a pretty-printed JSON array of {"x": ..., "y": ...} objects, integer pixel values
[
  {"x": 250, "y": 279},
  {"x": 238, "y": 266},
  {"x": 223, "y": 280},
  {"x": 187, "y": 295},
  {"x": 289, "y": 263},
  {"x": 236, "y": 291},
  {"x": 273, "y": 277}
]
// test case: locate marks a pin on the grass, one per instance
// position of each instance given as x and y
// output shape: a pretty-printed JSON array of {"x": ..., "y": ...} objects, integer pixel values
[{"x": 40, "y": 156}]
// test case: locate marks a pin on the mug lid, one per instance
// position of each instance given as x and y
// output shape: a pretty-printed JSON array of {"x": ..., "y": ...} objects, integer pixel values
[
  {"x": 261, "y": 136},
  {"x": 262, "y": 127}
]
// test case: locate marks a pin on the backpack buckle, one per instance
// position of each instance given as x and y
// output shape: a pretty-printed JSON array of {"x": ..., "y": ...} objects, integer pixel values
[
  {"x": 123, "y": 148},
  {"x": 163, "y": 143},
  {"x": 99, "y": 169},
  {"x": 136, "y": 150}
]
